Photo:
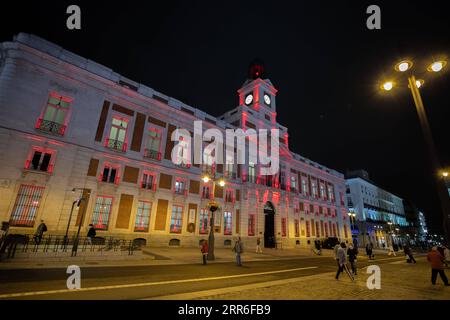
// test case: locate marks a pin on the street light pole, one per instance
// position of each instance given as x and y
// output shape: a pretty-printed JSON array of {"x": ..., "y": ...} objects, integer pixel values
[{"x": 442, "y": 192}]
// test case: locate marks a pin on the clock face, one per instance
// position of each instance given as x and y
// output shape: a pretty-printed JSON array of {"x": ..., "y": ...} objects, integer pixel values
[
  {"x": 248, "y": 99},
  {"x": 267, "y": 99}
]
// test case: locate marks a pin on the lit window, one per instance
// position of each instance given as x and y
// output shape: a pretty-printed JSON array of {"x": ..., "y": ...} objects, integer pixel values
[
  {"x": 176, "y": 219},
  {"x": 153, "y": 149},
  {"x": 314, "y": 189},
  {"x": 148, "y": 181},
  {"x": 180, "y": 186},
  {"x": 322, "y": 192},
  {"x": 118, "y": 135},
  {"x": 143, "y": 216},
  {"x": 204, "y": 221},
  {"x": 283, "y": 227},
  {"x": 227, "y": 219},
  {"x": 229, "y": 195},
  {"x": 26, "y": 206},
  {"x": 205, "y": 192},
  {"x": 251, "y": 172},
  {"x": 304, "y": 191},
  {"x": 297, "y": 228},
  {"x": 102, "y": 211},
  {"x": 54, "y": 117},
  {"x": 293, "y": 183},
  {"x": 317, "y": 229},
  {"x": 40, "y": 159},
  {"x": 308, "y": 231},
  {"x": 251, "y": 224}
]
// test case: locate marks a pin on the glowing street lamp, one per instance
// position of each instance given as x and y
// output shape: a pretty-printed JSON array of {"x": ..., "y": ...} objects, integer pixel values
[{"x": 414, "y": 85}]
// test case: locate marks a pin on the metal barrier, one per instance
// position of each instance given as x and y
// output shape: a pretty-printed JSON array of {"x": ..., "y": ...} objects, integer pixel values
[{"x": 28, "y": 243}]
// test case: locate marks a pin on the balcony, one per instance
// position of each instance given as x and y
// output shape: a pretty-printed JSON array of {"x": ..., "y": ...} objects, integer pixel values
[
  {"x": 51, "y": 127},
  {"x": 152, "y": 154},
  {"x": 180, "y": 192},
  {"x": 116, "y": 145}
]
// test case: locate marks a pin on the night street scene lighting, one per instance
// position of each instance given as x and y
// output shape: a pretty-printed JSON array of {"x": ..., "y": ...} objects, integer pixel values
[{"x": 234, "y": 160}]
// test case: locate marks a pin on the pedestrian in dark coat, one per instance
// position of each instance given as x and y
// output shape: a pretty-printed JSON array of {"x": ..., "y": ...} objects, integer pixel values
[
  {"x": 408, "y": 252},
  {"x": 40, "y": 232},
  {"x": 341, "y": 259},
  {"x": 352, "y": 252},
  {"x": 369, "y": 250},
  {"x": 91, "y": 233},
  {"x": 238, "y": 249},
  {"x": 437, "y": 266},
  {"x": 204, "y": 250}
]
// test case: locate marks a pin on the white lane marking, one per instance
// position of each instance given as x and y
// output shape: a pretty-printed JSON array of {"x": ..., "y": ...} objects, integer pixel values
[{"x": 146, "y": 284}]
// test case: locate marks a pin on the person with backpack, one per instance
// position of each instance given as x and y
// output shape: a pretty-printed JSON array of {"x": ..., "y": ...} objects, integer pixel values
[
  {"x": 204, "y": 250},
  {"x": 40, "y": 232}
]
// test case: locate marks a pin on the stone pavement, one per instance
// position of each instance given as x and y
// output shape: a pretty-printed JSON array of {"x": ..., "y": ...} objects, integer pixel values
[{"x": 399, "y": 281}]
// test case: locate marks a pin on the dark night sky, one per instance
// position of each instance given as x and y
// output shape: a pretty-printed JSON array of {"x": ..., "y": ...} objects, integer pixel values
[{"x": 320, "y": 55}]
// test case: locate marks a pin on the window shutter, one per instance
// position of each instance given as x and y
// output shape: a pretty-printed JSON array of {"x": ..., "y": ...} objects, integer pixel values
[
  {"x": 169, "y": 143},
  {"x": 161, "y": 215},
  {"x": 238, "y": 220},
  {"x": 130, "y": 174},
  {"x": 138, "y": 132},
  {"x": 238, "y": 195},
  {"x": 124, "y": 214},
  {"x": 165, "y": 181},
  {"x": 93, "y": 167},
  {"x": 102, "y": 121},
  {"x": 194, "y": 186}
]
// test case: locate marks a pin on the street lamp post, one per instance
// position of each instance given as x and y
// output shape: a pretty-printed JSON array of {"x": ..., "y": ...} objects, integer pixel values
[
  {"x": 77, "y": 202},
  {"x": 213, "y": 206},
  {"x": 414, "y": 86}
]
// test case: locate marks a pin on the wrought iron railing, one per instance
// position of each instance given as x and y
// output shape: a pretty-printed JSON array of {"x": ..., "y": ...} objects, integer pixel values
[
  {"x": 51, "y": 127},
  {"x": 152, "y": 154},
  {"x": 116, "y": 145}
]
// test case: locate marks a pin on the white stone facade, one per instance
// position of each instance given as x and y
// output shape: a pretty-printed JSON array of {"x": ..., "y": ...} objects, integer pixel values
[{"x": 32, "y": 70}]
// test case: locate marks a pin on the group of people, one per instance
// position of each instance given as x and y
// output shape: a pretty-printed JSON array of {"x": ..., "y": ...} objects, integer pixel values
[
  {"x": 342, "y": 256},
  {"x": 238, "y": 249}
]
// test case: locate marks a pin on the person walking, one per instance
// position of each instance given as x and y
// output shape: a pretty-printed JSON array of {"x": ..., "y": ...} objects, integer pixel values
[
  {"x": 238, "y": 250},
  {"x": 204, "y": 250},
  {"x": 335, "y": 251},
  {"x": 369, "y": 250},
  {"x": 391, "y": 251},
  {"x": 40, "y": 232},
  {"x": 91, "y": 234},
  {"x": 352, "y": 253},
  {"x": 437, "y": 266},
  {"x": 258, "y": 246},
  {"x": 341, "y": 259},
  {"x": 409, "y": 254}
]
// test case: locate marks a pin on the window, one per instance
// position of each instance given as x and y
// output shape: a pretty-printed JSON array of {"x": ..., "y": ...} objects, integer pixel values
[
  {"x": 229, "y": 195},
  {"x": 314, "y": 189},
  {"x": 317, "y": 229},
  {"x": 118, "y": 135},
  {"x": 153, "y": 149},
  {"x": 180, "y": 186},
  {"x": 297, "y": 229},
  {"x": 227, "y": 226},
  {"x": 322, "y": 191},
  {"x": 251, "y": 224},
  {"x": 110, "y": 174},
  {"x": 26, "y": 206},
  {"x": 293, "y": 183},
  {"x": 54, "y": 117},
  {"x": 229, "y": 170},
  {"x": 176, "y": 219},
  {"x": 345, "y": 231},
  {"x": 334, "y": 230},
  {"x": 143, "y": 216},
  {"x": 304, "y": 191},
  {"x": 308, "y": 231},
  {"x": 326, "y": 229},
  {"x": 301, "y": 206},
  {"x": 40, "y": 159},
  {"x": 102, "y": 211},
  {"x": 322, "y": 230},
  {"x": 204, "y": 221},
  {"x": 283, "y": 227},
  {"x": 148, "y": 181},
  {"x": 251, "y": 172},
  {"x": 206, "y": 192}
]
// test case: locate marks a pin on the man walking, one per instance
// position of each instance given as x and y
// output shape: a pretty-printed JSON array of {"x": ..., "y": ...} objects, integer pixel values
[
  {"x": 341, "y": 259},
  {"x": 204, "y": 250},
  {"x": 335, "y": 251},
  {"x": 352, "y": 252},
  {"x": 408, "y": 252},
  {"x": 40, "y": 232},
  {"x": 238, "y": 249},
  {"x": 437, "y": 266},
  {"x": 369, "y": 250},
  {"x": 258, "y": 246}
]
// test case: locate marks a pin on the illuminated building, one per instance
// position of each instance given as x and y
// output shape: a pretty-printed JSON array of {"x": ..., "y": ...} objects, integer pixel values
[{"x": 67, "y": 122}]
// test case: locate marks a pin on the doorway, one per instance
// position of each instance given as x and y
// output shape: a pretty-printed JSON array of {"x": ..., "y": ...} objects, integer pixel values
[{"x": 269, "y": 225}]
